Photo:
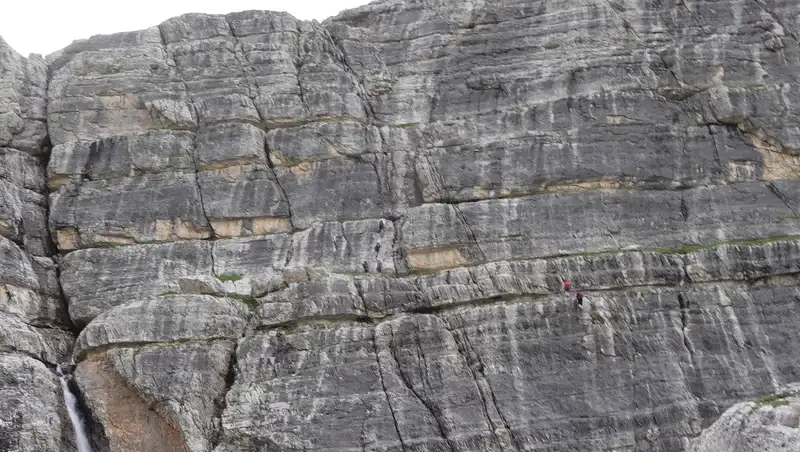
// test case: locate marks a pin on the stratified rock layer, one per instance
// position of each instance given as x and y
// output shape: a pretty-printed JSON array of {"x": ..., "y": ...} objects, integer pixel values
[{"x": 278, "y": 235}]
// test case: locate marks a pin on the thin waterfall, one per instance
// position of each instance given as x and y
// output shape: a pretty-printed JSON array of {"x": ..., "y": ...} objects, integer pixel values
[{"x": 71, "y": 402}]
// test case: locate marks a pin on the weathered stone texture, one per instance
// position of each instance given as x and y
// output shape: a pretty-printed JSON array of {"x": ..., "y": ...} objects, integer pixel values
[
  {"x": 285, "y": 235},
  {"x": 769, "y": 424}
]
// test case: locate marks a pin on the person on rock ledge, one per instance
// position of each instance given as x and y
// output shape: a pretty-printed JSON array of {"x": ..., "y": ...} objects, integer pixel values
[{"x": 579, "y": 300}]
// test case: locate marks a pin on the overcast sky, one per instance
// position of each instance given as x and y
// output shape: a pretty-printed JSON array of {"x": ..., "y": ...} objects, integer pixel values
[{"x": 43, "y": 27}]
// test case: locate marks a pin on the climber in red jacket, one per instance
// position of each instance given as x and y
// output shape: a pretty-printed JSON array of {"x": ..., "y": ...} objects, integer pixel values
[{"x": 566, "y": 285}]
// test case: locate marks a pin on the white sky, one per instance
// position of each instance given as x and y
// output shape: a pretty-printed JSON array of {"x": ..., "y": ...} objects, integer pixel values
[{"x": 45, "y": 26}]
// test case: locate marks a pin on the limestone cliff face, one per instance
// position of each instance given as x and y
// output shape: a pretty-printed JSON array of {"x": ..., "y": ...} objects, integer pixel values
[{"x": 254, "y": 233}]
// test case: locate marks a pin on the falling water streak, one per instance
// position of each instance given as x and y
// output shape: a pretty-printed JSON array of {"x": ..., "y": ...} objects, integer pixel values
[{"x": 72, "y": 408}]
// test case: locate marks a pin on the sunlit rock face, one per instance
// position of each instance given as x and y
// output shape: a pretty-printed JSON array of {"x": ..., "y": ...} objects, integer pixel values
[{"x": 254, "y": 233}]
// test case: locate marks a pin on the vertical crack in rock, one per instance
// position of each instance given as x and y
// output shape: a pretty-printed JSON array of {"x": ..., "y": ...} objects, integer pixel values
[
  {"x": 211, "y": 251},
  {"x": 272, "y": 168},
  {"x": 777, "y": 192},
  {"x": 684, "y": 306},
  {"x": 174, "y": 64},
  {"x": 385, "y": 392},
  {"x": 51, "y": 248},
  {"x": 193, "y": 150},
  {"x": 363, "y": 309},
  {"x": 369, "y": 110},
  {"x": 398, "y": 255},
  {"x": 248, "y": 71},
  {"x": 212, "y": 233},
  {"x": 298, "y": 65},
  {"x": 426, "y": 403},
  {"x": 94, "y": 429},
  {"x": 221, "y": 404},
  {"x": 477, "y": 369},
  {"x": 469, "y": 231}
]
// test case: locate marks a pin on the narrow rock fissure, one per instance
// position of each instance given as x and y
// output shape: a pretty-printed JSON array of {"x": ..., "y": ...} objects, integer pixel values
[
  {"x": 477, "y": 371},
  {"x": 212, "y": 233},
  {"x": 212, "y": 256},
  {"x": 777, "y": 192},
  {"x": 385, "y": 391},
  {"x": 404, "y": 378},
  {"x": 369, "y": 110},
  {"x": 398, "y": 255},
  {"x": 684, "y": 306},
  {"x": 88, "y": 433},
  {"x": 285, "y": 196},
  {"x": 469, "y": 231},
  {"x": 221, "y": 404}
]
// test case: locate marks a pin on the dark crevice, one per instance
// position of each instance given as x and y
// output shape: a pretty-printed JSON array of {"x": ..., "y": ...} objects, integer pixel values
[
  {"x": 212, "y": 233},
  {"x": 213, "y": 258},
  {"x": 50, "y": 246},
  {"x": 777, "y": 192},
  {"x": 221, "y": 403}
]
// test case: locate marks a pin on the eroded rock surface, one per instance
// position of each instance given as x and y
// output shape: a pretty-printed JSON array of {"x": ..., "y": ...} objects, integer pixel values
[
  {"x": 769, "y": 424},
  {"x": 279, "y": 235}
]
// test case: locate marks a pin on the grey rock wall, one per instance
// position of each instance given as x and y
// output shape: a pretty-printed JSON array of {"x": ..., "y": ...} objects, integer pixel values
[
  {"x": 278, "y": 235},
  {"x": 35, "y": 329}
]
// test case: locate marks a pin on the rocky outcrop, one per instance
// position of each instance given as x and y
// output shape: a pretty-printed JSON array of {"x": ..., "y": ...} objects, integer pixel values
[
  {"x": 278, "y": 235},
  {"x": 769, "y": 424}
]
